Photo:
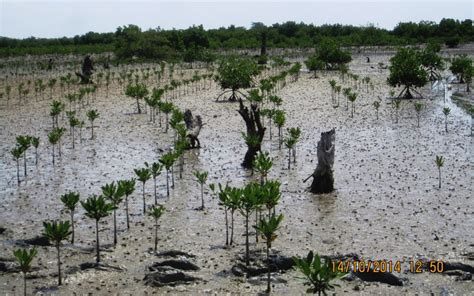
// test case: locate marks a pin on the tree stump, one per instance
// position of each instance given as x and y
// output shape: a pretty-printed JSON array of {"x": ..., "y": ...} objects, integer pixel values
[
  {"x": 87, "y": 69},
  {"x": 255, "y": 130},
  {"x": 323, "y": 180},
  {"x": 193, "y": 125}
]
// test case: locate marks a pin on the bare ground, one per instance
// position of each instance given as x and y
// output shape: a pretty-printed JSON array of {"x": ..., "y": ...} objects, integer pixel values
[{"x": 386, "y": 204}]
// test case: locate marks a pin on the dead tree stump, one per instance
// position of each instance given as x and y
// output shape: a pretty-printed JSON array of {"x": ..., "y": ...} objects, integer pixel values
[
  {"x": 193, "y": 126},
  {"x": 323, "y": 180},
  {"x": 255, "y": 132},
  {"x": 87, "y": 68}
]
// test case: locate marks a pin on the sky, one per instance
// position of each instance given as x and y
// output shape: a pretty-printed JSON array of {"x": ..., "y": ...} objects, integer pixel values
[{"x": 58, "y": 18}]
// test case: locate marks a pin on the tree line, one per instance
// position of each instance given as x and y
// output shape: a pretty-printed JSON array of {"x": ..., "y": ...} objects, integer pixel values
[{"x": 158, "y": 43}]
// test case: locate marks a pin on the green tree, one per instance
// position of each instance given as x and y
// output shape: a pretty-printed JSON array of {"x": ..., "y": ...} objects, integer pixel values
[
  {"x": 137, "y": 91},
  {"x": 24, "y": 259},
  {"x": 57, "y": 232},
  {"x": 127, "y": 187},
  {"x": 234, "y": 74},
  {"x": 461, "y": 66},
  {"x": 156, "y": 211},
  {"x": 70, "y": 201},
  {"x": 268, "y": 227},
  {"x": 407, "y": 70},
  {"x": 315, "y": 64},
  {"x": 97, "y": 208},
  {"x": 439, "y": 164},
  {"x": 143, "y": 175},
  {"x": 330, "y": 53},
  {"x": 92, "y": 115},
  {"x": 318, "y": 273},
  {"x": 201, "y": 178},
  {"x": 432, "y": 61}
]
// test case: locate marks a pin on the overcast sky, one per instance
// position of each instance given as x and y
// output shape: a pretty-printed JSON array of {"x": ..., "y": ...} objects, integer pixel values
[{"x": 58, "y": 18}]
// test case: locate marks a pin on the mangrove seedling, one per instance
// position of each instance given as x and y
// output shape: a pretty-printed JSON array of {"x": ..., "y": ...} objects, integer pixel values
[
  {"x": 250, "y": 200},
  {"x": 352, "y": 97},
  {"x": 271, "y": 195},
  {"x": 396, "y": 105},
  {"x": 115, "y": 195},
  {"x": 439, "y": 164},
  {"x": 224, "y": 201},
  {"x": 127, "y": 187},
  {"x": 35, "y": 142},
  {"x": 376, "y": 105},
  {"x": 70, "y": 201},
  {"x": 156, "y": 212},
  {"x": 155, "y": 170},
  {"x": 24, "y": 259},
  {"x": 24, "y": 142},
  {"x": 201, "y": 178},
  {"x": 167, "y": 160},
  {"x": 279, "y": 119},
  {"x": 57, "y": 232},
  {"x": 97, "y": 208},
  {"x": 290, "y": 143},
  {"x": 92, "y": 115},
  {"x": 53, "y": 138},
  {"x": 16, "y": 153},
  {"x": 295, "y": 133},
  {"x": 418, "y": 107},
  {"x": 262, "y": 165},
  {"x": 73, "y": 123},
  {"x": 143, "y": 175},
  {"x": 268, "y": 227},
  {"x": 318, "y": 273},
  {"x": 446, "y": 112},
  {"x": 167, "y": 108}
]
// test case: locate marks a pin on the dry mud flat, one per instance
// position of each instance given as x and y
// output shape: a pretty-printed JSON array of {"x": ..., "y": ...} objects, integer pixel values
[{"x": 386, "y": 205}]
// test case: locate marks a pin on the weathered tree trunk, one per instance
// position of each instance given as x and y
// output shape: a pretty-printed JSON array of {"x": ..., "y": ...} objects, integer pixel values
[
  {"x": 323, "y": 180},
  {"x": 254, "y": 128},
  {"x": 193, "y": 125}
]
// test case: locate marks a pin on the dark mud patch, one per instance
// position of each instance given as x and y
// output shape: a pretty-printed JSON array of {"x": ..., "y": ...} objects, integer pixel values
[
  {"x": 174, "y": 254},
  {"x": 171, "y": 272}
]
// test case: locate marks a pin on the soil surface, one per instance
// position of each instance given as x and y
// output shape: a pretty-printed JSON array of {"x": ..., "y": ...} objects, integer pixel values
[{"x": 387, "y": 205}]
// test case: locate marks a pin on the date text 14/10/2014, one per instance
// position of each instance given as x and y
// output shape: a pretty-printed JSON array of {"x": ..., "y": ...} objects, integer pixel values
[{"x": 414, "y": 266}]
